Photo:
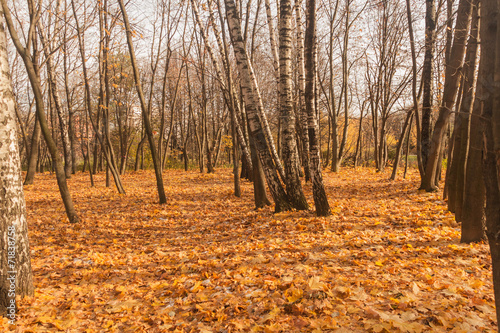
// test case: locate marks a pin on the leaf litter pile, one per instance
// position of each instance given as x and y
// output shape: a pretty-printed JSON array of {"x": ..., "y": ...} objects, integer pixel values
[{"x": 387, "y": 260}]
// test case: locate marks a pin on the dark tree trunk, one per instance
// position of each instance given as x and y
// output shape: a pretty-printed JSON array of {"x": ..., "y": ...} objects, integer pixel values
[
  {"x": 33, "y": 157},
  {"x": 452, "y": 80},
  {"x": 259, "y": 179},
  {"x": 457, "y": 165},
  {"x": 36, "y": 86},
  {"x": 427, "y": 77},
  {"x": 147, "y": 124}
]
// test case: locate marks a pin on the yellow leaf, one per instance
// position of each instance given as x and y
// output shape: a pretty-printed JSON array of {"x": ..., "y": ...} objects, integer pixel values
[
  {"x": 294, "y": 294},
  {"x": 315, "y": 283}
]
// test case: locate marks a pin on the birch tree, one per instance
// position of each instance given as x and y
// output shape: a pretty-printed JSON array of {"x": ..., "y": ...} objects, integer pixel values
[
  {"x": 287, "y": 116},
  {"x": 253, "y": 103},
  {"x": 319, "y": 193},
  {"x": 16, "y": 277}
]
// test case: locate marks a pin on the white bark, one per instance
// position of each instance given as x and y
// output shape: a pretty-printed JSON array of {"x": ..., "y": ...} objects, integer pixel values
[
  {"x": 254, "y": 108},
  {"x": 12, "y": 204}
]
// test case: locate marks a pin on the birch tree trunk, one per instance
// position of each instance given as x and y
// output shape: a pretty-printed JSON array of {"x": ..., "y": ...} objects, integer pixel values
[
  {"x": 253, "y": 103},
  {"x": 16, "y": 277},
  {"x": 301, "y": 111},
  {"x": 319, "y": 193},
  {"x": 229, "y": 91},
  {"x": 288, "y": 132}
]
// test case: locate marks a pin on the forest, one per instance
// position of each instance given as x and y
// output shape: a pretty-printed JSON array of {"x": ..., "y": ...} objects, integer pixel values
[{"x": 249, "y": 166}]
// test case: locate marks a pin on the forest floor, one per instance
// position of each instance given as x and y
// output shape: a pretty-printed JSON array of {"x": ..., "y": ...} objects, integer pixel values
[{"x": 387, "y": 260}]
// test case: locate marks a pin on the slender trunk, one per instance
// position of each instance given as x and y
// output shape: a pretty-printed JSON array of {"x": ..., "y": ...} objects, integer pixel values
[
  {"x": 147, "y": 123},
  {"x": 301, "y": 111},
  {"x": 406, "y": 125},
  {"x": 456, "y": 176},
  {"x": 69, "y": 104},
  {"x": 33, "y": 157},
  {"x": 345, "y": 84},
  {"x": 319, "y": 193},
  {"x": 414, "y": 94},
  {"x": 138, "y": 153},
  {"x": 52, "y": 80},
  {"x": 408, "y": 139},
  {"x": 289, "y": 146},
  {"x": 452, "y": 80},
  {"x": 40, "y": 110},
  {"x": 255, "y": 109},
  {"x": 358, "y": 151},
  {"x": 427, "y": 77}
]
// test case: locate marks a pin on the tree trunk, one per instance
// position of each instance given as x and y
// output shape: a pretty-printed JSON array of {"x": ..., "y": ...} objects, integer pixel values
[
  {"x": 36, "y": 86},
  {"x": 33, "y": 157},
  {"x": 145, "y": 116},
  {"x": 319, "y": 193},
  {"x": 289, "y": 144},
  {"x": 490, "y": 38},
  {"x": 16, "y": 277},
  {"x": 452, "y": 81},
  {"x": 401, "y": 140},
  {"x": 301, "y": 112},
  {"x": 69, "y": 104},
  {"x": 473, "y": 204},
  {"x": 492, "y": 167},
  {"x": 457, "y": 165},
  {"x": 52, "y": 80},
  {"x": 427, "y": 77},
  {"x": 253, "y": 103},
  {"x": 259, "y": 179}
]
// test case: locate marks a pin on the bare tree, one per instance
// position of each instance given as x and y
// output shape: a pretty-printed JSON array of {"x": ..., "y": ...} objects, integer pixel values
[
  {"x": 24, "y": 52},
  {"x": 319, "y": 193},
  {"x": 253, "y": 103},
  {"x": 452, "y": 81},
  {"x": 287, "y": 116},
  {"x": 145, "y": 116}
]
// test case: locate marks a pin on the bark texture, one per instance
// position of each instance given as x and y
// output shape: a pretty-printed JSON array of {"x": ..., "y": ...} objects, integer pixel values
[
  {"x": 288, "y": 131},
  {"x": 14, "y": 244},
  {"x": 253, "y": 104},
  {"x": 452, "y": 81},
  {"x": 319, "y": 193},
  {"x": 427, "y": 77},
  {"x": 490, "y": 45}
]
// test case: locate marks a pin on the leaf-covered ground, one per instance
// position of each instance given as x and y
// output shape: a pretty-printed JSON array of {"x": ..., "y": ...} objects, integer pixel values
[{"x": 388, "y": 260}]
